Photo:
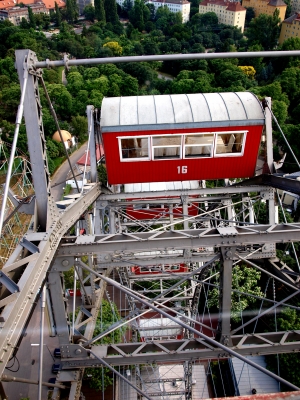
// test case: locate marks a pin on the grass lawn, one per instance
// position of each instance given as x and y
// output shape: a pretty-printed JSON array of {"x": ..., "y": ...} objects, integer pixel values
[{"x": 58, "y": 161}]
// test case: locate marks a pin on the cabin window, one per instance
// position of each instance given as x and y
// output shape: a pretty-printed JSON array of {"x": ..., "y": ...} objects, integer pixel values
[
  {"x": 229, "y": 143},
  {"x": 172, "y": 268},
  {"x": 165, "y": 147},
  {"x": 134, "y": 148},
  {"x": 198, "y": 145},
  {"x": 183, "y": 146},
  {"x": 147, "y": 206}
]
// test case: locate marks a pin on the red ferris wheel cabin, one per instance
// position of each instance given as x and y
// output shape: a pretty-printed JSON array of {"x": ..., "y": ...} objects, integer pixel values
[{"x": 181, "y": 137}]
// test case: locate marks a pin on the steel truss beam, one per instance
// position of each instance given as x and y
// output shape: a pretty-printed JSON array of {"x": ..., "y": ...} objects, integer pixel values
[
  {"x": 175, "y": 351},
  {"x": 111, "y": 247},
  {"x": 224, "y": 191},
  {"x": 18, "y": 308}
]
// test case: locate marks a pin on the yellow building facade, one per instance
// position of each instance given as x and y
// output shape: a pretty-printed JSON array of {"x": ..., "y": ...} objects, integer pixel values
[
  {"x": 290, "y": 28},
  {"x": 229, "y": 13},
  {"x": 266, "y": 7}
]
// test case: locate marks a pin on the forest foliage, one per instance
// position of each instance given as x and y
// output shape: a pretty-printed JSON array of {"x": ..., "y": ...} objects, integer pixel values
[{"x": 146, "y": 33}]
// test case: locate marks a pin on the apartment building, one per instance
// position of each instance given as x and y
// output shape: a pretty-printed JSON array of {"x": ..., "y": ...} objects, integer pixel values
[
  {"x": 290, "y": 28},
  {"x": 266, "y": 7},
  {"x": 228, "y": 12}
]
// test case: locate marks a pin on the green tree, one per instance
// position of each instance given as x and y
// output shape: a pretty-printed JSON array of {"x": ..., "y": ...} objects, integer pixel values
[
  {"x": 99, "y": 379},
  {"x": 100, "y": 11},
  {"x": 111, "y": 14},
  {"x": 130, "y": 86},
  {"x": 250, "y": 14},
  {"x": 71, "y": 11},
  {"x": 32, "y": 23},
  {"x": 61, "y": 99},
  {"x": 79, "y": 127},
  {"x": 57, "y": 15},
  {"x": 290, "y": 82},
  {"x": 244, "y": 279},
  {"x": 114, "y": 47},
  {"x": 96, "y": 98},
  {"x": 75, "y": 82},
  {"x": 264, "y": 30},
  {"x": 89, "y": 12},
  {"x": 289, "y": 364},
  {"x": 139, "y": 14}
]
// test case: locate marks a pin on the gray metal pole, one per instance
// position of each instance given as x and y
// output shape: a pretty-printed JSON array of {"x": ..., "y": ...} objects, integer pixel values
[
  {"x": 8, "y": 378},
  {"x": 92, "y": 142},
  {"x": 166, "y": 57},
  {"x": 13, "y": 149},
  {"x": 269, "y": 137},
  {"x": 191, "y": 329},
  {"x": 43, "y": 303}
]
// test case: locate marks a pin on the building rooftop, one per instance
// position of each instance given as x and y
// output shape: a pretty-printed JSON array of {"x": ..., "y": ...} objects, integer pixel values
[
  {"x": 170, "y": 1},
  {"x": 49, "y": 4},
  {"x": 292, "y": 18},
  {"x": 231, "y": 5},
  {"x": 277, "y": 3}
]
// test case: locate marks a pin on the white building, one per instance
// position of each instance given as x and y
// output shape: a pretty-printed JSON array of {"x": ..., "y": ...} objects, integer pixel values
[
  {"x": 295, "y": 4},
  {"x": 182, "y": 6},
  {"x": 228, "y": 12},
  {"x": 174, "y": 6}
]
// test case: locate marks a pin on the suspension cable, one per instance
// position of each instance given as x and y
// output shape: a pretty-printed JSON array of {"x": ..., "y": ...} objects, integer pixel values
[{"x": 58, "y": 129}]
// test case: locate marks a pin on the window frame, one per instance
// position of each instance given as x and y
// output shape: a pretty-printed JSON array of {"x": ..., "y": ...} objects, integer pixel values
[
  {"x": 182, "y": 146},
  {"x": 195, "y": 134},
  {"x": 240, "y": 154},
  {"x": 148, "y": 158},
  {"x": 161, "y": 147}
]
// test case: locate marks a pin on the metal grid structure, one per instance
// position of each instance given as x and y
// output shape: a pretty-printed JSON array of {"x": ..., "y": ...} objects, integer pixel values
[
  {"x": 18, "y": 211},
  {"x": 224, "y": 232}
]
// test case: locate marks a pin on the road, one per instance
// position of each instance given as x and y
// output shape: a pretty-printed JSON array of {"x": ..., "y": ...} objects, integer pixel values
[
  {"x": 58, "y": 180},
  {"x": 27, "y": 363}
]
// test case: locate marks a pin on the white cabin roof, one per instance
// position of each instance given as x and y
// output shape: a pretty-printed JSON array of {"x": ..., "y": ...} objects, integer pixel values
[{"x": 180, "y": 111}]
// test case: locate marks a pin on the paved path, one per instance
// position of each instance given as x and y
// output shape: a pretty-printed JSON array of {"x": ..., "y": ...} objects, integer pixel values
[
  {"x": 28, "y": 357},
  {"x": 58, "y": 180}
]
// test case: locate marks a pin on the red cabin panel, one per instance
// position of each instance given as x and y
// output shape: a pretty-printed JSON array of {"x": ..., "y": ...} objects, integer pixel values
[
  {"x": 153, "y": 211},
  {"x": 185, "y": 137},
  {"x": 176, "y": 268},
  {"x": 215, "y": 166}
]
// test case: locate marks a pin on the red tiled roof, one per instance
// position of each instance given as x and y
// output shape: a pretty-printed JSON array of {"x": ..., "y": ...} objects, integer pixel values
[
  {"x": 7, "y": 4},
  {"x": 99, "y": 154},
  {"x": 49, "y": 4},
  {"x": 236, "y": 7},
  {"x": 231, "y": 5}
]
